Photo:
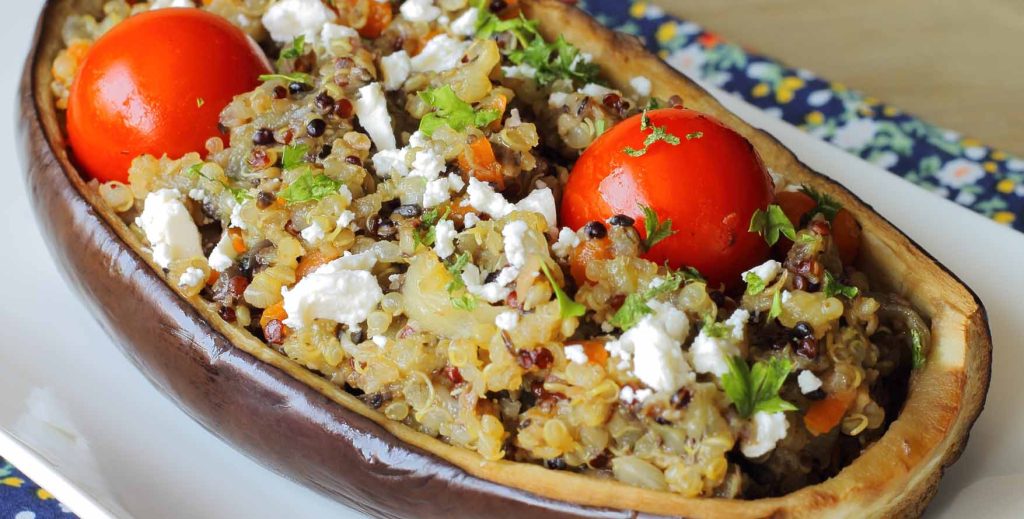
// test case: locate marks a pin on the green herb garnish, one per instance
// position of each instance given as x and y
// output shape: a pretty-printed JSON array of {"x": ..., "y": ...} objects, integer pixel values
[
  {"x": 771, "y": 224},
  {"x": 776, "y": 309},
  {"x": 635, "y": 307},
  {"x": 826, "y": 205},
  {"x": 694, "y": 135},
  {"x": 757, "y": 389},
  {"x": 426, "y": 232},
  {"x": 656, "y": 230},
  {"x": 834, "y": 288},
  {"x": 452, "y": 111},
  {"x": 755, "y": 285},
  {"x": 238, "y": 193},
  {"x": 715, "y": 329},
  {"x": 297, "y": 48},
  {"x": 658, "y": 133},
  {"x": 294, "y": 156},
  {"x": 309, "y": 187},
  {"x": 488, "y": 24},
  {"x": 294, "y": 77},
  {"x": 200, "y": 102},
  {"x": 465, "y": 301},
  {"x": 916, "y": 348},
  {"x": 566, "y": 305},
  {"x": 600, "y": 126}
]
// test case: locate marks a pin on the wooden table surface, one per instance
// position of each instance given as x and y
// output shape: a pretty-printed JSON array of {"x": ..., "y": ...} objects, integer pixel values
[{"x": 955, "y": 63}]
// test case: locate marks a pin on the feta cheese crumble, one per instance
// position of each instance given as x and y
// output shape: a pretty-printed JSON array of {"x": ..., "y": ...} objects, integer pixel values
[
  {"x": 440, "y": 54},
  {"x": 763, "y": 432},
  {"x": 808, "y": 381},
  {"x": 396, "y": 68},
  {"x": 223, "y": 254},
  {"x": 313, "y": 233},
  {"x": 485, "y": 199},
  {"x": 289, "y": 19},
  {"x": 169, "y": 227},
  {"x": 192, "y": 277},
  {"x": 523, "y": 71},
  {"x": 465, "y": 24},
  {"x": 658, "y": 359},
  {"x": 629, "y": 395},
  {"x": 574, "y": 353},
  {"x": 507, "y": 320},
  {"x": 491, "y": 292},
  {"x": 372, "y": 111},
  {"x": 709, "y": 354},
  {"x": 470, "y": 220},
  {"x": 332, "y": 32},
  {"x": 343, "y": 291},
  {"x": 595, "y": 90},
  {"x": 540, "y": 201},
  {"x": 767, "y": 271},
  {"x": 567, "y": 241},
  {"x": 641, "y": 85},
  {"x": 420, "y": 10},
  {"x": 444, "y": 238},
  {"x": 515, "y": 249}
]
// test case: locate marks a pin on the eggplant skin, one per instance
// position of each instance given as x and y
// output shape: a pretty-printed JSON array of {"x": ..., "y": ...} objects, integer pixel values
[{"x": 311, "y": 431}]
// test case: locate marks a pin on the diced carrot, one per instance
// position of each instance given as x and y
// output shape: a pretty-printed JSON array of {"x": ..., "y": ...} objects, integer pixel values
[
  {"x": 212, "y": 279},
  {"x": 825, "y": 414},
  {"x": 280, "y": 202},
  {"x": 313, "y": 261},
  {"x": 595, "y": 352},
  {"x": 378, "y": 18},
  {"x": 478, "y": 160},
  {"x": 846, "y": 233},
  {"x": 236, "y": 239},
  {"x": 456, "y": 211},
  {"x": 274, "y": 312},
  {"x": 586, "y": 252}
]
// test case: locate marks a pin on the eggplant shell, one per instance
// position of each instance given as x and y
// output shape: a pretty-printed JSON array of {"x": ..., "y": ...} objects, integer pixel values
[{"x": 302, "y": 426}]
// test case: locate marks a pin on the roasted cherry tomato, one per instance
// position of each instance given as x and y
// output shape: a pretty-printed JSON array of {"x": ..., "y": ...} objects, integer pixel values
[
  {"x": 709, "y": 185},
  {"x": 156, "y": 83}
]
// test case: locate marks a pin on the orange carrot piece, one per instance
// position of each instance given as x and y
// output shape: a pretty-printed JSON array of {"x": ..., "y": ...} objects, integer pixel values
[
  {"x": 274, "y": 312},
  {"x": 478, "y": 160},
  {"x": 237, "y": 242},
  {"x": 311, "y": 262},
  {"x": 595, "y": 352},
  {"x": 825, "y": 414},
  {"x": 212, "y": 279},
  {"x": 586, "y": 252},
  {"x": 378, "y": 18}
]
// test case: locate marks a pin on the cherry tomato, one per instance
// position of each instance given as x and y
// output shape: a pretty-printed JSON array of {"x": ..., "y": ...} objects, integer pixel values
[
  {"x": 156, "y": 83},
  {"x": 709, "y": 185}
]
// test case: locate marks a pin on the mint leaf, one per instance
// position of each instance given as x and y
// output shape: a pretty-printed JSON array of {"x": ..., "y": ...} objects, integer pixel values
[
  {"x": 566, "y": 305},
  {"x": 452, "y": 111},
  {"x": 656, "y": 230},
  {"x": 309, "y": 187},
  {"x": 771, "y": 224},
  {"x": 635, "y": 306},
  {"x": 834, "y": 288}
]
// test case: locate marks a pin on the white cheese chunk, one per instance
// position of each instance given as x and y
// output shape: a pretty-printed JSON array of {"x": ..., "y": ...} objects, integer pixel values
[
  {"x": 595, "y": 90},
  {"x": 767, "y": 271},
  {"x": 420, "y": 10},
  {"x": 372, "y": 111},
  {"x": 763, "y": 432},
  {"x": 192, "y": 277},
  {"x": 491, "y": 292},
  {"x": 629, "y": 395},
  {"x": 333, "y": 32},
  {"x": 567, "y": 241},
  {"x": 641, "y": 85},
  {"x": 388, "y": 163},
  {"x": 436, "y": 193},
  {"x": 289, "y": 19},
  {"x": 557, "y": 99},
  {"x": 574, "y": 353},
  {"x": 465, "y": 24},
  {"x": 440, "y": 54},
  {"x": 444, "y": 238},
  {"x": 709, "y": 354},
  {"x": 427, "y": 164},
  {"x": 515, "y": 249},
  {"x": 470, "y": 220},
  {"x": 313, "y": 233},
  {"x": 507, "y": 320},
  {"x": 346, "y": 218},
  {"x": 540, "y": 201},
  {"x": 223, "y": 254},
  {"x": 485, "y": 199},
  {"x": 523, "y": 71},
  {"x": 658, "y": 360},
  {"x": 169, "y": 227},
  {"x": 396, "y": 68},
  {"x": 808, "y": 381},
  {"x": 343, "y": 291}
]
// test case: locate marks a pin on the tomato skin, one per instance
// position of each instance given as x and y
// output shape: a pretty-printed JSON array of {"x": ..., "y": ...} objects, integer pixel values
[
  {"x": 708, "y": 186},
  {"x": 139, "y": 88}
]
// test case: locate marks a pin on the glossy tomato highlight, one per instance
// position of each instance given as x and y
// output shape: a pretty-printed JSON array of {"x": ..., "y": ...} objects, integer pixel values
[
  {"x": 709, "y": 185},
  {"x": 156, "y": 83}
]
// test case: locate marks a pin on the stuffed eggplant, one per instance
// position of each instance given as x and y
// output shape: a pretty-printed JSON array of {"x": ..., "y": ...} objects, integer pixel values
[{"x": 490, "y": 258}]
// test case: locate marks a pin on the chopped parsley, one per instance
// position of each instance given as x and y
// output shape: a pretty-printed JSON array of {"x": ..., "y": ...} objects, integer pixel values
[
  {"x": 294, "y": 156},
  {"x": 694, "y": 135},
  {"x": 658, "y": 133},
  {"x": 600, "y": 126},
  {"x": 916, "y": 348},
  {"x": 566, "y": 305},
  {"x": 426, "y": 232},
  {"x": 488, "y": 24},
  {"x": 771, "y": 224},
  {"x": 556, "y": 60},
  {"x": 776, "y": 308},
  {"x": 656, "y": 229},
  {"x": 755, "y": 285},
  {"x": 452, "y": 111},
  {"x": 241, "y": 195},
  {"x": 826, "y": 205},
  {"x": 200, "y": 102},
  {"x": 757, "y": 389},
  {"x": 296, "y": 49},
  {"x": 635, "y": 307},
  {"x": 294, "y": 77},
  {"x": 309, "y": 187},
  {"x": 834, "y": 288},
  {"x": 465, "y": 301},
  {"x": 715, "y": 329}
]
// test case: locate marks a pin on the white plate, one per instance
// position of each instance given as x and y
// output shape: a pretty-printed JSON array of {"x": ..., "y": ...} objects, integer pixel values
[{"x": 79, "y": 419}]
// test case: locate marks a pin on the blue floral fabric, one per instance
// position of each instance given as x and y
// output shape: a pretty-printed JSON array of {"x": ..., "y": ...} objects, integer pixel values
[
  {"x": 944, "y": 162},
  {"x": 20, "y": 498}
]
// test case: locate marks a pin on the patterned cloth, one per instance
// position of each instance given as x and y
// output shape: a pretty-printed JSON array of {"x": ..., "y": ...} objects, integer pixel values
[
  {"x": 20, "y": 498},
  {"x": 944, "y": 162}
]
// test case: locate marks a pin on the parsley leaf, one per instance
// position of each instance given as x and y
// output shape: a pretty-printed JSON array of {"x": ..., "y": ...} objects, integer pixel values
[
  {"x": 658, "y": 133},
  {"x": 755, "y": 285},
  {"x": 771, "y": 224},
  {"x": 757, "y": 389},
  {"x": 826, "y": 205},
  {"x": 834, "y": 288},
  {"x": 452, "y": 111},
  {"x": 309, "y": 187},
  {"x": 200, "y": 102},
  {"x": 916, "y": 348},
  {"x": 294, "y": 156},
  {"x": 428, "y": 221},
  {"x": 297, "y": 48},
  {"x": 690, "y": 274},
  {"x": 465, "y": 301},
  {"x": 776, "y": 309},
  {"x": 635, "y": 307},
  {"x": 488, "y": 24},
  {"x": 656, "y": 229},
  {"x": 294, "y": 77},
  {"x": 241, "y": 195},
  {"x": 566, "y": 305},
  {"x": 714, "y": 328},
  {"x": 694, "y": 135},
  {"x": 554, "y": 61}
]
